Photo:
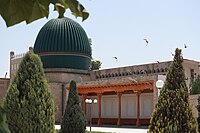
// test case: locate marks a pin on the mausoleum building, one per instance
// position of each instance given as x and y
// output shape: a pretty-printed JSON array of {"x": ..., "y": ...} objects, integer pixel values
[{"x": 125, "y": 95}]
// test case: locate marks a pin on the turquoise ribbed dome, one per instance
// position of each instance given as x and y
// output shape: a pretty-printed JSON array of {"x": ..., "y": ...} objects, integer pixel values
[{"x": 63, "y": 43}]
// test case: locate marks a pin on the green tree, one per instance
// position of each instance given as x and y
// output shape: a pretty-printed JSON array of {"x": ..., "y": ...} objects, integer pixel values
[
  {"x": 74, "y": 120},
  {"x": 172, "y": 113},
  {"x": 195, "y": 89},
  {"x": 28, "y": 104},
  {"x": 95, "y": 65},
  {"x": 3, "y": 124},
  {"x": 14, "y": 12}
]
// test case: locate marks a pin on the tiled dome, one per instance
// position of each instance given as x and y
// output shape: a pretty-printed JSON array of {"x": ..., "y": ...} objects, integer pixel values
[{"x": 63, "y": 43}]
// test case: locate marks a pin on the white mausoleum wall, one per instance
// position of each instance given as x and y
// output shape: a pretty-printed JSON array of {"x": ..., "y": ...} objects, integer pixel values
[{"x": 109, "y": 106}]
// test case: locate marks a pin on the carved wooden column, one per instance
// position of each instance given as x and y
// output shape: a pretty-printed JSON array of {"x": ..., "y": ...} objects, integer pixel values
[
  {"x": 84, "y": 103},
  {"x": 138, "y": 109},
  {"x": 99, "y": 95},
  {"x": 119, "y": 94}
]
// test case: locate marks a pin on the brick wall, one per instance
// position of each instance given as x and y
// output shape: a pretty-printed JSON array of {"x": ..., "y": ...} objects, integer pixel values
[{"x": 4, "y": 83}]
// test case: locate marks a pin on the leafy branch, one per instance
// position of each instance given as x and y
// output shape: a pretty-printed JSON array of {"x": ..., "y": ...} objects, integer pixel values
[{"x": 16, "y": 11}]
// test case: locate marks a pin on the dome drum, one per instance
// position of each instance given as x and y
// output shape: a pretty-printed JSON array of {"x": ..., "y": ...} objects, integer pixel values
[{"x": 65, "y": 61}]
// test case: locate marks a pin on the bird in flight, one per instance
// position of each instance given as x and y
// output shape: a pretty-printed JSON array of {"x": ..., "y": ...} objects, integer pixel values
[
  {"x": 115, "y": 58},
  {"x": 185, "y": 46},
  {"x": 5, "y": 75},
  {"x": 147, "y": 42}
]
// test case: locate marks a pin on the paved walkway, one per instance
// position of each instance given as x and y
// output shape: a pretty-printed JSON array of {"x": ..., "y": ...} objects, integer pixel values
[{"x": 114, "y": 129}]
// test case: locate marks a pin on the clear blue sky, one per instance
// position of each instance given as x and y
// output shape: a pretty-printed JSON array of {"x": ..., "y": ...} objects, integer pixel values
[{"x": 117, "y": 28}]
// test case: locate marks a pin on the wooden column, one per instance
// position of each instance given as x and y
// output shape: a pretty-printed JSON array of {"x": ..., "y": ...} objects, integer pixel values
[
  {"x": 84, "y": 103},
  {"x": 138, "y": 109},
  {"x": 99, "y": 107},
  {"x": 119, "y": 94}
]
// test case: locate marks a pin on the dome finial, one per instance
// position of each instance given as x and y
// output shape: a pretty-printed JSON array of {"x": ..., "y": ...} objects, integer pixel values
[{"x": 61, "y": 10}]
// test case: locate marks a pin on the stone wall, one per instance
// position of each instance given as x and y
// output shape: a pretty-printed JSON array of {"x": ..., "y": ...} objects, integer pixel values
[
  {"x": 60, "y": 95},
  {"x": 194, "y": 103},
  {"x": 159, "y": 68}
]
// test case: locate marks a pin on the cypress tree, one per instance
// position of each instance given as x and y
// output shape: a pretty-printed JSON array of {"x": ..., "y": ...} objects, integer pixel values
[
  {"x": 28, "y": 103},
  {"x": 74, "y": 120},
  {"x": 172, "y": 113},
  {"x": 3, "y": 124},
  {"x": 198, "y": 108}
]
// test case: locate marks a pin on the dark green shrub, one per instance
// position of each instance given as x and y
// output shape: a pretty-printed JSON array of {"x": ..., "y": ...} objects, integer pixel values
[
  {"x": 74, "y": 120},
  {"x": 28, "y": 103}
]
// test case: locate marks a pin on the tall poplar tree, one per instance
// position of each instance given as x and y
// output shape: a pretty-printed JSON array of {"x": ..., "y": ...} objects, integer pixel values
[
  {"x": 28, "y": 103},
  {"x": 74, "y": 120},
  {"x": 172, "y": 113}
]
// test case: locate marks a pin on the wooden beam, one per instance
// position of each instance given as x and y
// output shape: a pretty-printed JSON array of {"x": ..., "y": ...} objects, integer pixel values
[{"x": 140, "y": 86}]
